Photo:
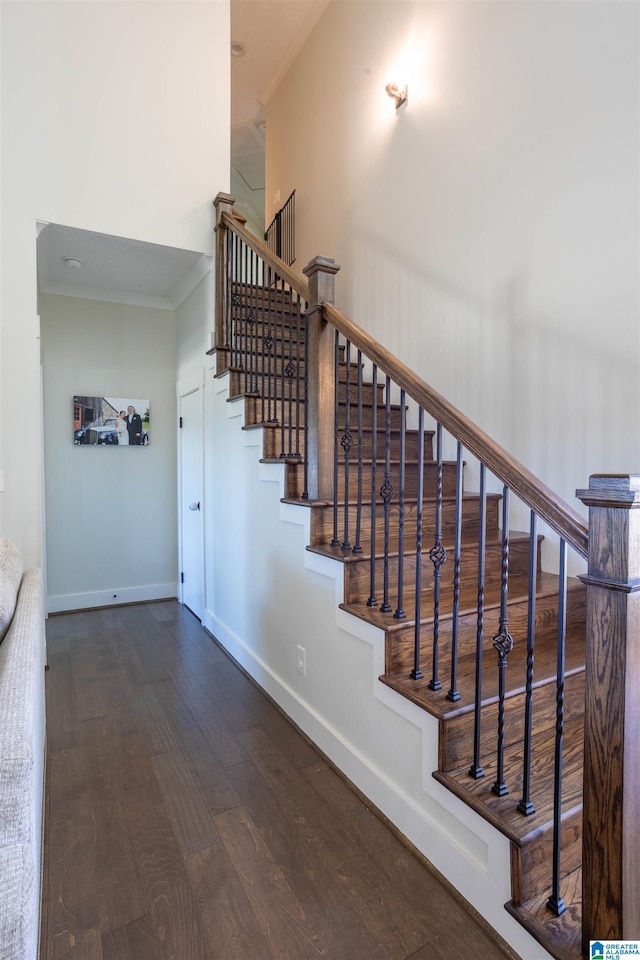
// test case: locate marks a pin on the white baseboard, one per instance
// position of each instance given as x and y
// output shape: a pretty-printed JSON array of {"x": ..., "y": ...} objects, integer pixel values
[{"x": 111, "y": 598}]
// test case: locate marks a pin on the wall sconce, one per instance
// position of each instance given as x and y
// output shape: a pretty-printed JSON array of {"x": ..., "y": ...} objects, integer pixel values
[{"x": 398, "y": 90}]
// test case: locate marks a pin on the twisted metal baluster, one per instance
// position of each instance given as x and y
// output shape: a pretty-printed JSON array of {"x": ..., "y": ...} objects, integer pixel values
[
  {"x": 525, "y": 805},
  {"x": 264, "y": 383},
  {"x": 298, "y": 396},
  {"x": 346, "y": 442},
  {"x": 282, "y": 418},
  {"x": 228, "y": 321},
  {"x": 372, "y": 601},
  {"x": 555, "y": 903},
  {"x": 245, "y": 325},
  {"x": 503, "y": 644},
  {"x": 357, "y": 548},
  {"x": 416, "y": 672},
  {"x": 288, "y": 372},
  {"x": 400, "y": 613},
  {"x": 386, "y": 492},
  {"x": 453, "y": 694},
  {"x": 269, "y": 346},
  {"x": 336, "y": 353},
  {"x": 305, "y": 492},
  {"x": 253, "y": 341},
  {"x": 235, "y": 302},
  {"x": 475, "y": 770},
  {"x": 437, "y": 555}
]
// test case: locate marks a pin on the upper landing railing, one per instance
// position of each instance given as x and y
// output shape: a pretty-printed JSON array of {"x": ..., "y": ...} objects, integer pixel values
[
  {"x": 280, "y": 235},
  {"x": 311, "y": 383}
]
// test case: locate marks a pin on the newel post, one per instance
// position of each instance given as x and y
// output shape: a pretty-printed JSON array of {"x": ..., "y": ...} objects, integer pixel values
[
  {"x": 321, "y": 272},
  {"x": 611, "y": 828},
  {"x": 223, "y": 204}
]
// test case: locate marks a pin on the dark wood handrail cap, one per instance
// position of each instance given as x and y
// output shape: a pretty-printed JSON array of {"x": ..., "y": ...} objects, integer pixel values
[
  {"x": 324, "y": 264},
  {"x": 612, "y": 489},
  {"x": 224, "y": 198}
]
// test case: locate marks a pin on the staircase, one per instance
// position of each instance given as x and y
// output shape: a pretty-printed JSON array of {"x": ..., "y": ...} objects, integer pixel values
[{"x": 476, "y": 632}]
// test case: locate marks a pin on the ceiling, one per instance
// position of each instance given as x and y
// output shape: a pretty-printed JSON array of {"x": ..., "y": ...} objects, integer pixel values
[
  {"x": 270, "y": 33},
  {"x": 116, "y": 269}
]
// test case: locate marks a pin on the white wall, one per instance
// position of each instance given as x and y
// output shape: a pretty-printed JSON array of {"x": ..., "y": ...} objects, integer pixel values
[
  {"x": 115, "y": 118},
  {"x": 195, "y": 325},
  {"x": 111, "y": 513},
  {"x": 489, "y": 231}
]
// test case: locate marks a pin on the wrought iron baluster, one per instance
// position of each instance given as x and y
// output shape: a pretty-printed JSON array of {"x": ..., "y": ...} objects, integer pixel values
[
  {"x": 416, "y": 672},
  {"x": 271, "y": 344},
  {"x": 386, "y": 492},
  {"x": 372, "y": 601},
  {"x": 555, "y": 903},
  {"x": 400, "y": 612},
  {"x": 475, "y": 769},
  {"x": 305, "y": 492},
  {"x": 282, "y": 403},
  {"x": 357, "y": 548},
  {"x": 298, "y": 396},
  {"x": 346, "y": 441},
  {"x": 266, "y": 307},
  {"x": 235, "y": 305},
  {"x": 525, "y": 805},
  {"x": 228, "y": 338},
  {"x": 245, "y": 325},
  {"x": 268, "y": 350},
  {"x": 256, "y": 315},
  {"x": 503, "y": 644},
  {"x": 453, "y": 693},
  {"x": 437, "y": 555},
  {"x": 336, "y": 414},
  {"x": 289, "y": 371},
  {"x": 253, "y": 342}
]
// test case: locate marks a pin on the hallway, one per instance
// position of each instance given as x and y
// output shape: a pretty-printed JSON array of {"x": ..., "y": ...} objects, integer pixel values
[{"x": 187, "y": 819}]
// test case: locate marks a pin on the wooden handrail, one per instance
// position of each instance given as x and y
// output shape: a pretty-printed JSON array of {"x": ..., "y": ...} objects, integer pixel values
[
  {"x": 296, "y": 282},
  {"x": 566, "y": 522}
]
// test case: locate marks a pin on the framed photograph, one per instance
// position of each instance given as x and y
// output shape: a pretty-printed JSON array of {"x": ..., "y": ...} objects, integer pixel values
[{"x": 111, "y": 421}]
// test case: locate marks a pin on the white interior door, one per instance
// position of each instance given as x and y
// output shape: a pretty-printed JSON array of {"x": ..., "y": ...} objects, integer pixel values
[{"x": 191, "y": 506}]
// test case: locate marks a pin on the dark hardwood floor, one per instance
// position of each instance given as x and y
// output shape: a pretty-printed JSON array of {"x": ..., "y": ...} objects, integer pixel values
[{"x": 186, "y": 818}]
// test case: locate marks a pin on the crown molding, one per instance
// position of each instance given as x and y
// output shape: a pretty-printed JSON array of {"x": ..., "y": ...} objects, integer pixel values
[{"x": 108, "y": 296}]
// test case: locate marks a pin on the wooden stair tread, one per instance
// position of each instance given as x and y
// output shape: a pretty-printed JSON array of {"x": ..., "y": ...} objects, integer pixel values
[
  {"x": 368, "y": 429},
  {"x": 435, "y": 701},
  {"x": 468, "y": 539},
  {"x": 518, "y": 592},
  {"x": 408, "y": 500},
  {"x": 561, "y": 936},
  {"x": 502, "y": 812}
]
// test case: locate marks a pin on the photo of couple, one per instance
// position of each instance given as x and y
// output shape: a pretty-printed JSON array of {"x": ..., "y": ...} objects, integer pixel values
[
  {"x": 111, "y": 421},
  {"x": 129, "y": 427}
]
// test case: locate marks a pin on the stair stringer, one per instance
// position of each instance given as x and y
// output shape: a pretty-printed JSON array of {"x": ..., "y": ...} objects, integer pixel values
[{"x": 284, "y": 595}]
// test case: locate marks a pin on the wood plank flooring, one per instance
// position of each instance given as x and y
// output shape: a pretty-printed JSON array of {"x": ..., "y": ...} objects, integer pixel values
[{"x": 187, "y": 819}]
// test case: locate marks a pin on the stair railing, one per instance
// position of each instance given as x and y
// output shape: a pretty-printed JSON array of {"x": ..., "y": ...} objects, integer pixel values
[
  {"x": 280, "y": 235},
  {"x": 352, "y": 469},
  {"x": 260, "y": 329}
]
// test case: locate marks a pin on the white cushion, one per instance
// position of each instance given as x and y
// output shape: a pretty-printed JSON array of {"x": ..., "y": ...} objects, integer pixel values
[
  {"x": 18, "y": 895},
  {"x": 10, "y": 577}
]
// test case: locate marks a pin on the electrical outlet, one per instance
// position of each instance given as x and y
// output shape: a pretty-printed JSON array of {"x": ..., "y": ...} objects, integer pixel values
[
  {"x": 276, "y": 198},
  {"x": 301, "y": 660}
]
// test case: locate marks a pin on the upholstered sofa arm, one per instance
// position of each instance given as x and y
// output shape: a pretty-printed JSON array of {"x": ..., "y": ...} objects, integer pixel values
[{"x": 22, "y": 750}]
